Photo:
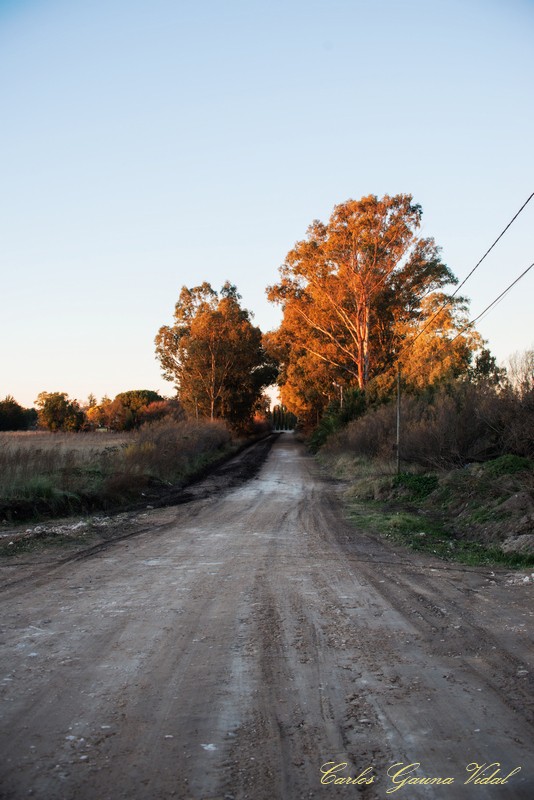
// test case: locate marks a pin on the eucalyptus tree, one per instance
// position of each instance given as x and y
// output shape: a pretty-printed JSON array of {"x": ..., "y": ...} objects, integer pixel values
[
  {"x": 355, "y": 292},
  {"x": 214, "y": 354}
]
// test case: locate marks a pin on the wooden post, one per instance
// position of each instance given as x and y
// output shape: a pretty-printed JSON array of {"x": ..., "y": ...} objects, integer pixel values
[{"x": 398, "y": 417}]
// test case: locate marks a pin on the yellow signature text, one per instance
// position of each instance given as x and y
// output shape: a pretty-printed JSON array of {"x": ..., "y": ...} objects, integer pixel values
[
  {"x": 482, "y": 775},
  {"x": 402, "y": 775},
  {"x": 331, "y": 774}
]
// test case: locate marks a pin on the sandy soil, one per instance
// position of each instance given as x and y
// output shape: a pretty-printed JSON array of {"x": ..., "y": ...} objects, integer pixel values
[{"x": 232, "y": 646}]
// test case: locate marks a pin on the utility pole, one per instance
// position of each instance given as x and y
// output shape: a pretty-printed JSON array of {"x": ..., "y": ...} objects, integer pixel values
[{"x": 398, "y": 417}]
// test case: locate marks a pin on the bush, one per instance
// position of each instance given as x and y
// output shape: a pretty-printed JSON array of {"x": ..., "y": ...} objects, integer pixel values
[
  {"x": 417, "y": 486},
  {"x": 338, "y": 416},
  {"x": 508, "y": 465},
  {"x": 448, "y": 427},
  {"x": 169, "y": 450}
]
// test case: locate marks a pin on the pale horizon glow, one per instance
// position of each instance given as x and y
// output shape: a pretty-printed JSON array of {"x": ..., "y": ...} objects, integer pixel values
[{"x": 148, "y": 146}]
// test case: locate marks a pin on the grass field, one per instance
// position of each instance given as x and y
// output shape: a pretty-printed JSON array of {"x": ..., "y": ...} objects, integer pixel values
[
  {"x": 42, "y": 473},
  {"x": 72, "y": 441},
  {"x": 53, "y": 468}
]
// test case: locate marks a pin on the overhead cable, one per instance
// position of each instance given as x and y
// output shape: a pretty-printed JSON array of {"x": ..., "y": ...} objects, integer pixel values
[
  {"x": 492, "y": 304},
  {"x": 488, "y": 251}
]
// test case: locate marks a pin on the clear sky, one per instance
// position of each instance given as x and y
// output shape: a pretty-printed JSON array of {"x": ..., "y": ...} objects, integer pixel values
[{"x": 148, "y": 145}]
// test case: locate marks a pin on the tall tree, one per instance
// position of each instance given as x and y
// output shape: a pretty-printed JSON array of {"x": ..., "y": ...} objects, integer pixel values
[
  {"x": 214, "y": 354},
  {"x": 351, "y": 290},
  {"x": 58, "y": 413}
]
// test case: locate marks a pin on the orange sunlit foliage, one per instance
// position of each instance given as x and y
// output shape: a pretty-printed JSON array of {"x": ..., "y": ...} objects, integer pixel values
[
  {"x": 352, "y": 293},
  {"x": 433, "y": 351},
  {"x": 214, "y": 355}
]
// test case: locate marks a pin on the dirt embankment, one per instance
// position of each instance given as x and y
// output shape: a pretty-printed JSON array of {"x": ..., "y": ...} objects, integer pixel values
[{"x": 481, "y": 513}]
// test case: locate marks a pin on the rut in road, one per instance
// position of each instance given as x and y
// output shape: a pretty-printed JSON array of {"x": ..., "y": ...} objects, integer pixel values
[{"x": 248, "y": 639}]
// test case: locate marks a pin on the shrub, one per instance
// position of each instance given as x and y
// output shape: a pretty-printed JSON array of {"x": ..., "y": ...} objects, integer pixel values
[
  {"x": 448, "y": 427},
  {"x": 338, "y": 416},
  {"x": 169, "y": 450},
  {"x": 508, "y": 465},
  {"x": 417, "y": 486}
]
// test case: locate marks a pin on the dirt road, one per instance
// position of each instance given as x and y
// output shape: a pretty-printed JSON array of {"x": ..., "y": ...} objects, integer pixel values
[{"x": 249, "y": 637}]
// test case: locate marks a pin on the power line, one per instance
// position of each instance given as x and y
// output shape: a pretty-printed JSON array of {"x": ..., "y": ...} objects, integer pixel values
[
  {"x": 446, "y": 342},
  {"x": 488, "y": 251},
  {"x": 491, "y": 305},
  {"x": 447, "y": 302}
]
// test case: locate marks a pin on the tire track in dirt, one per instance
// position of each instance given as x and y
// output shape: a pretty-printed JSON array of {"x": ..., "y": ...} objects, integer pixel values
[{"x": 254, "y": 638}]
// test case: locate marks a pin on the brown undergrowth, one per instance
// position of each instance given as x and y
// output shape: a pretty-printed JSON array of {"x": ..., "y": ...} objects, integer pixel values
[{"x": 45, "y": 474}]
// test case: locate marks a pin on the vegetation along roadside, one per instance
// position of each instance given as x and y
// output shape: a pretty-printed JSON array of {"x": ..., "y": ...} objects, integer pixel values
[{"x": 479, "y": 514}]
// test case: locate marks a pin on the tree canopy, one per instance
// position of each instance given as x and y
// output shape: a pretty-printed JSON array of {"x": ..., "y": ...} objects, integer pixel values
[
  {"x": 58, "y": 413},
  {"x": 129, "y": 410},
  {"x": 214, "y": 354},
  {"x": 13, "y": 417},
  {"x": 354, "y": 292}
]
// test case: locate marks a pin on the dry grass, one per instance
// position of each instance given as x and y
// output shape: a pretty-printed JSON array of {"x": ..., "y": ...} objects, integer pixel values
[
  {"x": 46, "y": 465},
  {"x": 348, "y": 466},
  {"x": 80, "y": 442},
  {"x": 48, "y": 473},
  {"x": 367, "y": 478}
]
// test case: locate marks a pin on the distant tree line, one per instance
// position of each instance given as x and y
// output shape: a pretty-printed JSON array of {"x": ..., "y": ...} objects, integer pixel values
[
  {"x": 282, "y": 419},
  {"x": 363, "y": 296},
  {"x": 56, "y": 411},
  {"x": 130, "y": 410}
]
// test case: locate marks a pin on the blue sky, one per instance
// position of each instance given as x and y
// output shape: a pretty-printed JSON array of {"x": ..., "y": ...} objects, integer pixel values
[{"x": 144, "y": 146}]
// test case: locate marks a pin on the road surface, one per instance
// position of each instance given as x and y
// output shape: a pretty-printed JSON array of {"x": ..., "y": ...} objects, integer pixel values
[{"x": 243, "y": 641}]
